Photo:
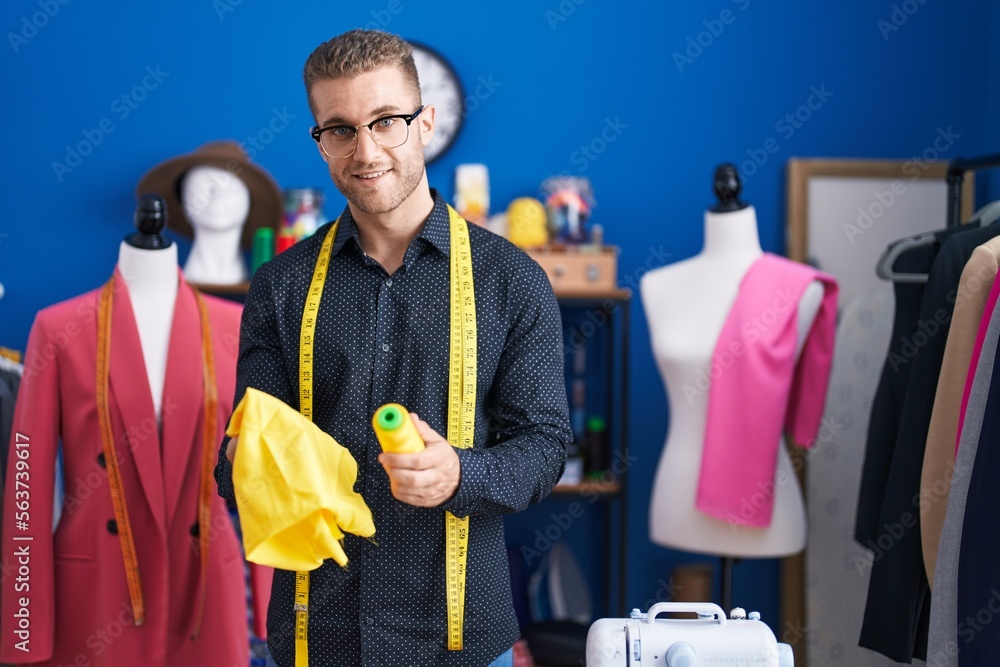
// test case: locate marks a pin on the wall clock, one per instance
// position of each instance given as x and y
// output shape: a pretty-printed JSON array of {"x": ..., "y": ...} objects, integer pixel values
[{"x": 440, "y": 86}]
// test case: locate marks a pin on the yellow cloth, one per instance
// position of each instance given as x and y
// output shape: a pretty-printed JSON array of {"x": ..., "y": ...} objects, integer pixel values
[{"x": 294, "y": 487}]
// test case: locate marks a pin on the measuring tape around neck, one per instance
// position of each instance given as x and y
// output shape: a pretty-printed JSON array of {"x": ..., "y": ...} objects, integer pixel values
[
  {"x": 209, "y": 436},
  {"x": 461, "y": 415}
]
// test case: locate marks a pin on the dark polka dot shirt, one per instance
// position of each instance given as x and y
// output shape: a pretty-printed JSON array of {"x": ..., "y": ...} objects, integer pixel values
[{"x": 380, "y": 339}]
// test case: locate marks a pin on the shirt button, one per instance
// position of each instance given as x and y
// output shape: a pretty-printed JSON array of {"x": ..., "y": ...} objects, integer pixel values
[
  {"x": 375, "y": 483},
  {"x": 385, "y": 347},
  {"x": 388, "y": 283},
  {"x": 371, "y": 553},
  {"x": 370, "y": 621}
]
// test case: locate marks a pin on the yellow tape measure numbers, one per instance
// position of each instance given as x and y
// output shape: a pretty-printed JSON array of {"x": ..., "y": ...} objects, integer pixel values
[
  {"x": 306, "y": 341},
  {"x": 461, "y": 413}
]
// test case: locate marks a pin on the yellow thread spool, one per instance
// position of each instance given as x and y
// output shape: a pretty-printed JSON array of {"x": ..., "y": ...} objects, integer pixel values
[{"x": 395, "y": 430}]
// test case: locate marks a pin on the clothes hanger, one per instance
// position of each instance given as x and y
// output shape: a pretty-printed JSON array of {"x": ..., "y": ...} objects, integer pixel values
[
  {"x": 985, "y": 216},
  {"x": 883, "y": 269}
]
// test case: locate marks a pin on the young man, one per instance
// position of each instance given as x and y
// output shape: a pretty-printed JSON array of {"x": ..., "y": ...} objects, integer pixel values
[{"x": 382, "y": 335}]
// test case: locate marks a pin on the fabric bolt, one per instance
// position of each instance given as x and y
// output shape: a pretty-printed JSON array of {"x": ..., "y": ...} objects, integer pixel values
[
  {"x": 943, "y": 633},
  {"x": 382, "y": 339},
  {"x": 898, "y": 606},
  {"x": 979, "y": 554},
  {"x": 837, "y": 567},
  {"x": 977, "y": 278},
  {"x": 766, "y": 389},
  {"x": 79, "y": 605}
]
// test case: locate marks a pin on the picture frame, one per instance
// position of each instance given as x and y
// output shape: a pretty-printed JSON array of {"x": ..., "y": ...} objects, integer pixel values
[{"x": 843, "y": 213}]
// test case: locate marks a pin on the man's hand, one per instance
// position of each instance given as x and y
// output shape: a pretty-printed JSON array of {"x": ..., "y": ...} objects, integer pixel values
[
  {"x": 231, "y": 449},
  {"x": 425, "y": 479}
]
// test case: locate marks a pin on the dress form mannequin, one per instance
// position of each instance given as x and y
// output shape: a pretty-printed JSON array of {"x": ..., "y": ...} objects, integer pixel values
[
  {"x": 147, "y": 262},
  {"x": 686, "y": 306},
  {"x": 217, "y": 203}
]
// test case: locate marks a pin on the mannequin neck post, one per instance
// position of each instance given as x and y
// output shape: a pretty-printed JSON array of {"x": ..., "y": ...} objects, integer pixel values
[{"x": 732, "y": 234}]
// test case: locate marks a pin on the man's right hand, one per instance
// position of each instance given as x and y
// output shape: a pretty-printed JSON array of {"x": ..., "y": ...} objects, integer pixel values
[{"x": 231, "y": 449}]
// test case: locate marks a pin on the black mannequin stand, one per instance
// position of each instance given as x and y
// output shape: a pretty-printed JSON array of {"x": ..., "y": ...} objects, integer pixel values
[
  {"x": 727, "y": 188},
  {"x": 727, "y": 583},
  {"x": 150, "y": 220}
]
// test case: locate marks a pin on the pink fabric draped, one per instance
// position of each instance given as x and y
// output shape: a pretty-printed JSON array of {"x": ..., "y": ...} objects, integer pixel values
[{"x": 758, "y": 389}]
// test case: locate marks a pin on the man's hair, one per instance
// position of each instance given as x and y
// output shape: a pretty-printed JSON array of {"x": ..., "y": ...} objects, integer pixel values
[{"x": 356, "y": 52}]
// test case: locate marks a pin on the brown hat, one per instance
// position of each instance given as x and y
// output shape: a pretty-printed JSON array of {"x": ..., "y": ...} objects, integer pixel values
[{"x": 266, "y": 202}]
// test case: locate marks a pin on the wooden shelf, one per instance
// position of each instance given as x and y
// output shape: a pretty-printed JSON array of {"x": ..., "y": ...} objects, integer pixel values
[
  {"x": 238, "y": 288},
  {"x": 615, "y": 294},
  {"x": 591, "y": 488}
]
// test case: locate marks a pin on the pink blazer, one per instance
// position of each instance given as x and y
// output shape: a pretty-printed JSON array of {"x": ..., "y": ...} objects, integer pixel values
[
  {"x": 73, "y": 582},
  {"x": 758, "y": 388}
]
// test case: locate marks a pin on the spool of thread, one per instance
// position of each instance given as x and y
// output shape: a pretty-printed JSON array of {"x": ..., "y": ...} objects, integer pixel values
[
  {"x": 263, "y": 248},
  {"x": 285, "y": 241},
  {"x": 395, "y": 430}
]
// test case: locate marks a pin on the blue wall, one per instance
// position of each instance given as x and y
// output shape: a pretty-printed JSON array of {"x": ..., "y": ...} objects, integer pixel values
[{"x": 563, "y": 73}]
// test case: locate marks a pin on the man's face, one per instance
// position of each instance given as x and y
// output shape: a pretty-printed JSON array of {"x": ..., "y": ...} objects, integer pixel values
[{"x": 376, "y": 180}]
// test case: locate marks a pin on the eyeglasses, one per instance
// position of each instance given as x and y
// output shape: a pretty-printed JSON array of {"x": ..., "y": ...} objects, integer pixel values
[{"x": 340, "y": 141}]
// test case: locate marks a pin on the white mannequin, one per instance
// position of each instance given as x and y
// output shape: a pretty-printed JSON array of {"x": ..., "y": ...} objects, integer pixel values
[
  {"x": 151, "y": 279},
  {"x": 217, "y": 203},
  {"x": 686, "y": 306}
]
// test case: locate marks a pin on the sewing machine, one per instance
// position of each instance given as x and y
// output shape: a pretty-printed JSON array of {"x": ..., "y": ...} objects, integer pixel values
[{"x": 642, "y": 640}]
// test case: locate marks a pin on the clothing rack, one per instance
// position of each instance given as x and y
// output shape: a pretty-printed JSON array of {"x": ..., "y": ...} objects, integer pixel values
[{"x": 956, "y": 174}]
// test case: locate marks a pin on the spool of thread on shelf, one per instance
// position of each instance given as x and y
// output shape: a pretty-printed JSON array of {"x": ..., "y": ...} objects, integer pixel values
[
  {"x": 395, "y": 430},
  {"x": 285, "y": 241},
  {"x": 578, "y": 412},
  {"x": 262, "y": 249},
  {"x": 598, "y": 447}
]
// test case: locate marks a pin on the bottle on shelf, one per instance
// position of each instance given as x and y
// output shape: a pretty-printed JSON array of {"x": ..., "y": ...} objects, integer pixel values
[{"x": 596, "y": 447}]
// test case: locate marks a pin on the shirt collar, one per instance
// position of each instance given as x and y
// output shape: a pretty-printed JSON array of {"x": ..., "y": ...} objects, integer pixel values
[{"x": 436, "y": 231}]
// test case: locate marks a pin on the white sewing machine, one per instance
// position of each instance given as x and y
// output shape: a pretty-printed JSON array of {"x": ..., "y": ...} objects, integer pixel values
[{"x": 642, "y": 640}]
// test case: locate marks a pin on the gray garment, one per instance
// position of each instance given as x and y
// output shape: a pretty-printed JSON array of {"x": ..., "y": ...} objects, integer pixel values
[
  {"x": 837, "y": 567},
  {"x": 10, "y": 380},
  {"x": 942, "y": 642}
]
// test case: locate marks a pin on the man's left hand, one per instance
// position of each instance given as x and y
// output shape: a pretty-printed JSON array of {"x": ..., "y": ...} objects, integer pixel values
[{"x": 425, "y": 479}]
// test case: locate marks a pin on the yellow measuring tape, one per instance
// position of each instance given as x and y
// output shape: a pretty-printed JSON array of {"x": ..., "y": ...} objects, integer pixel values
[
  {"x": 306, "y": 340},
  {"x": 111, "y": 458},
  {"x": 208, "y": 455},
  {"x": 461, "y": 415}
]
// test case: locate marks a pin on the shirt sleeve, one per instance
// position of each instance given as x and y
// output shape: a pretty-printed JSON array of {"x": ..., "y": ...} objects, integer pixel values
[
  {"x": 526, "y": 407},
  {"x": 261, "y": 363}
]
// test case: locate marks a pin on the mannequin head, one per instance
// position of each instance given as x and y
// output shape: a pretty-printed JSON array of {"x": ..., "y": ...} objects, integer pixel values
[
  {"x": 214, "y": 188},
  {"x": 214, "y": 199},
  {"x": 727, "y": 188}
]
